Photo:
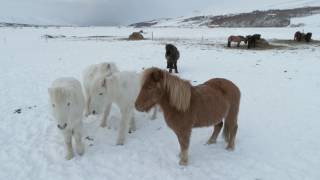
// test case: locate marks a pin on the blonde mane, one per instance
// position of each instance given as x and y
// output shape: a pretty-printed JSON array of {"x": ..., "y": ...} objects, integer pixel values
[{"x": 179, "y": 91}]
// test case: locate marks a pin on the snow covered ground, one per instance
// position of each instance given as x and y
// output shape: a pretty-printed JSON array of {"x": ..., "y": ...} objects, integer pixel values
[{"x": 278, "y": 122}]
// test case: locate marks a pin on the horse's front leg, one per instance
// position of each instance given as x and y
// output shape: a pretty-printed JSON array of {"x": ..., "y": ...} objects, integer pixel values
[
  {"x": 124, "y": 124},
  {"x": 168, "y": 64},
  {"x": 154, "y": 114},
  {"x": 238, "y": 45},
  {"x": 170, "y": 67},
  {"x": 78, "y": 140},
  {"x": 184, "y": 140},
  {"x": 105, "y": 115},
  {"x": 67, "y": 134},
  {"x": 176, "y": 67},
  {"x": 132, "y": 127}
]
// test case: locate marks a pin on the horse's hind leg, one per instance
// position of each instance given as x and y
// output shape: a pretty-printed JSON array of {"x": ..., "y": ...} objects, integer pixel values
[
  {"x": 231, "y": 127},
  {"x": 215, "y": 134}
]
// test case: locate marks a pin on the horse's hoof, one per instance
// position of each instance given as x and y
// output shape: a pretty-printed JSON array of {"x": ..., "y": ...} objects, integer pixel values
[
  {"x": 69, "y": 156},
  {"x": 230, "y": 148},
  {"x": 103, "y": 125},
  {"x": 120, "y": 142},
  {"x": 183, "y": 162},
  {"x": 131, "y": 131},
  {"x": 211, "y": 142},
  {"x": 80, "y": 150}
]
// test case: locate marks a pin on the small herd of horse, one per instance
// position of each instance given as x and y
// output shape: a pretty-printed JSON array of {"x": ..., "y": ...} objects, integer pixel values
[
  {"x": 184, "y": 106},
  {"x": 251, "y": 40}
]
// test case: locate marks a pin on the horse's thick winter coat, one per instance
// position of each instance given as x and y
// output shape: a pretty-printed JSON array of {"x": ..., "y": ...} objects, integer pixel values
[{"x": 67, "y": 105}]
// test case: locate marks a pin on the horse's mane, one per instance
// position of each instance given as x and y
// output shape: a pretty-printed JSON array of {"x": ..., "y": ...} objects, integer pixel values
[{"x": 179, "y": 90}]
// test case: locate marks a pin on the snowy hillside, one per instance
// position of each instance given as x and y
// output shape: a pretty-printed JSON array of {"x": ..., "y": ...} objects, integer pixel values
[
  {"x": 258, "y": 18},
  {"x": 278, "y": 121},
  {"x": 310, "y": 21}
]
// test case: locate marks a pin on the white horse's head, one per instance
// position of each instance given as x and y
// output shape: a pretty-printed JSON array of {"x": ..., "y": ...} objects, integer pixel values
[
  {"x": 101, "y": 93},
  {"x": 60, "y": 100}
]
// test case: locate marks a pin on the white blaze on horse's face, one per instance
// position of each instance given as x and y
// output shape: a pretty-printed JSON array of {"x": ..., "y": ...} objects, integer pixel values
[
  {"x": 98, "y": 95},
  {"x": 60, "y": 106}
]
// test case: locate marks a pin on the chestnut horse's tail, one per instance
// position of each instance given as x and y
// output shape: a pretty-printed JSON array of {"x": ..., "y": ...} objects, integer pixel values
[{"x": 231, "y": 123}]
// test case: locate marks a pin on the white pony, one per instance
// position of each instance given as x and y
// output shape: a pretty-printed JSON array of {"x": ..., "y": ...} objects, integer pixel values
[
  {"x": 122, "y": 88},
  {"x": 67, "y": 105},
  {"x": 90, "y": 74}
]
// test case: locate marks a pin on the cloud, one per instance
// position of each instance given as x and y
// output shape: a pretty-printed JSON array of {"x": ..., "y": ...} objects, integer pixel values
[
  {"x": 119, "y": 12},
  {"x": 94, "y": 12}
]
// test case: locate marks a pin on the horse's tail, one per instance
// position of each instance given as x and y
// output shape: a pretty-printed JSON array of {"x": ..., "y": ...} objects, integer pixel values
[
  {"x": 229, "y": 43},
  {"x": 231, "y": 122}
]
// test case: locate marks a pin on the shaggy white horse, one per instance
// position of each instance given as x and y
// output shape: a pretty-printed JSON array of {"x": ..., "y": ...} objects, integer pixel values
[
  {"x": 90, "y": 74},
  {"x": 67, "y": 105},
  {"x": 122, "y": 88}
]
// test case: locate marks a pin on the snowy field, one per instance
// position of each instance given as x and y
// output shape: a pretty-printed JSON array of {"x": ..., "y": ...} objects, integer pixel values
[{"x": 278, "y": 121}]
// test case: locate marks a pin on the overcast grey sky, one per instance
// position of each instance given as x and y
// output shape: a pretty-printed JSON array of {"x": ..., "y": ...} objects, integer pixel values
[
  {"x": 121, "y": 12},
  {"x": 96, "y": 12}
]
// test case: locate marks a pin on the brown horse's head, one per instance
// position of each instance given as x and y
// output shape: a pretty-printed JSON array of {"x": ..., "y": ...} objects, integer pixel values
[
  {"x": 160, "y": 85},
  {"x": 151, "y": 89}
]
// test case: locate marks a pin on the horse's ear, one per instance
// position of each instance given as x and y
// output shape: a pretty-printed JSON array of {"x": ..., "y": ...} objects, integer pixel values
[{"x": 157, "y": 75}]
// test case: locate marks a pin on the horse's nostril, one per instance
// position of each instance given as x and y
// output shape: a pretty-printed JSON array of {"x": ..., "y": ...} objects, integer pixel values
[
  {"x": 62, "y": 127},
  {"x": 93, "y": 112}
]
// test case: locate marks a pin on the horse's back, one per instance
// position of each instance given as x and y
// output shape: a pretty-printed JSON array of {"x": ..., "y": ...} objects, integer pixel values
[
  {"x": 226, "y": 87},
  {"x": 97, "y": 70}
]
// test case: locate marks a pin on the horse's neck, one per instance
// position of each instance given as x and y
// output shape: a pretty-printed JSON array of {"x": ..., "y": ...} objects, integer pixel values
[{"x": 165, "y": 105}]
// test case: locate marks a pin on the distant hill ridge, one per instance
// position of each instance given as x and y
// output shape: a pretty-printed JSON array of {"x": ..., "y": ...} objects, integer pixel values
[{"x": 268, "y": 18}]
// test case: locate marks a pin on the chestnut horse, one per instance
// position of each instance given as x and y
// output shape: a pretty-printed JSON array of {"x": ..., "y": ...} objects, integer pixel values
[
  {"x": 186, "y": 106},
  {"x": 236, "y": 39}
]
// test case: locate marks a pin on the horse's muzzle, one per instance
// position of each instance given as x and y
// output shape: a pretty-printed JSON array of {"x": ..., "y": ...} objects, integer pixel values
[
  {"x": 62, "y": 127},
  {"x": 139, "y": 108}
]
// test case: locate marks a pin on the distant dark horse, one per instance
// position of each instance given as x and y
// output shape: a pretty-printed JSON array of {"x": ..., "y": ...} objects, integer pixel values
[
  {"x": 252, "y": 39},
  {"x": 172, "y": 56},
  {"x": 236, "y": 39},
  {"x": 299, "y": 36},
  {"x": 308, "y": 36}
]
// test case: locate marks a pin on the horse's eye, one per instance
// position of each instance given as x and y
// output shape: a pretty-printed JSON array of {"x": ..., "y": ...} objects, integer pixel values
[
  {"x": 53, "y": 105},
  {"x": 68, "y": 104},
  {"x": 100, "y": 94}
]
